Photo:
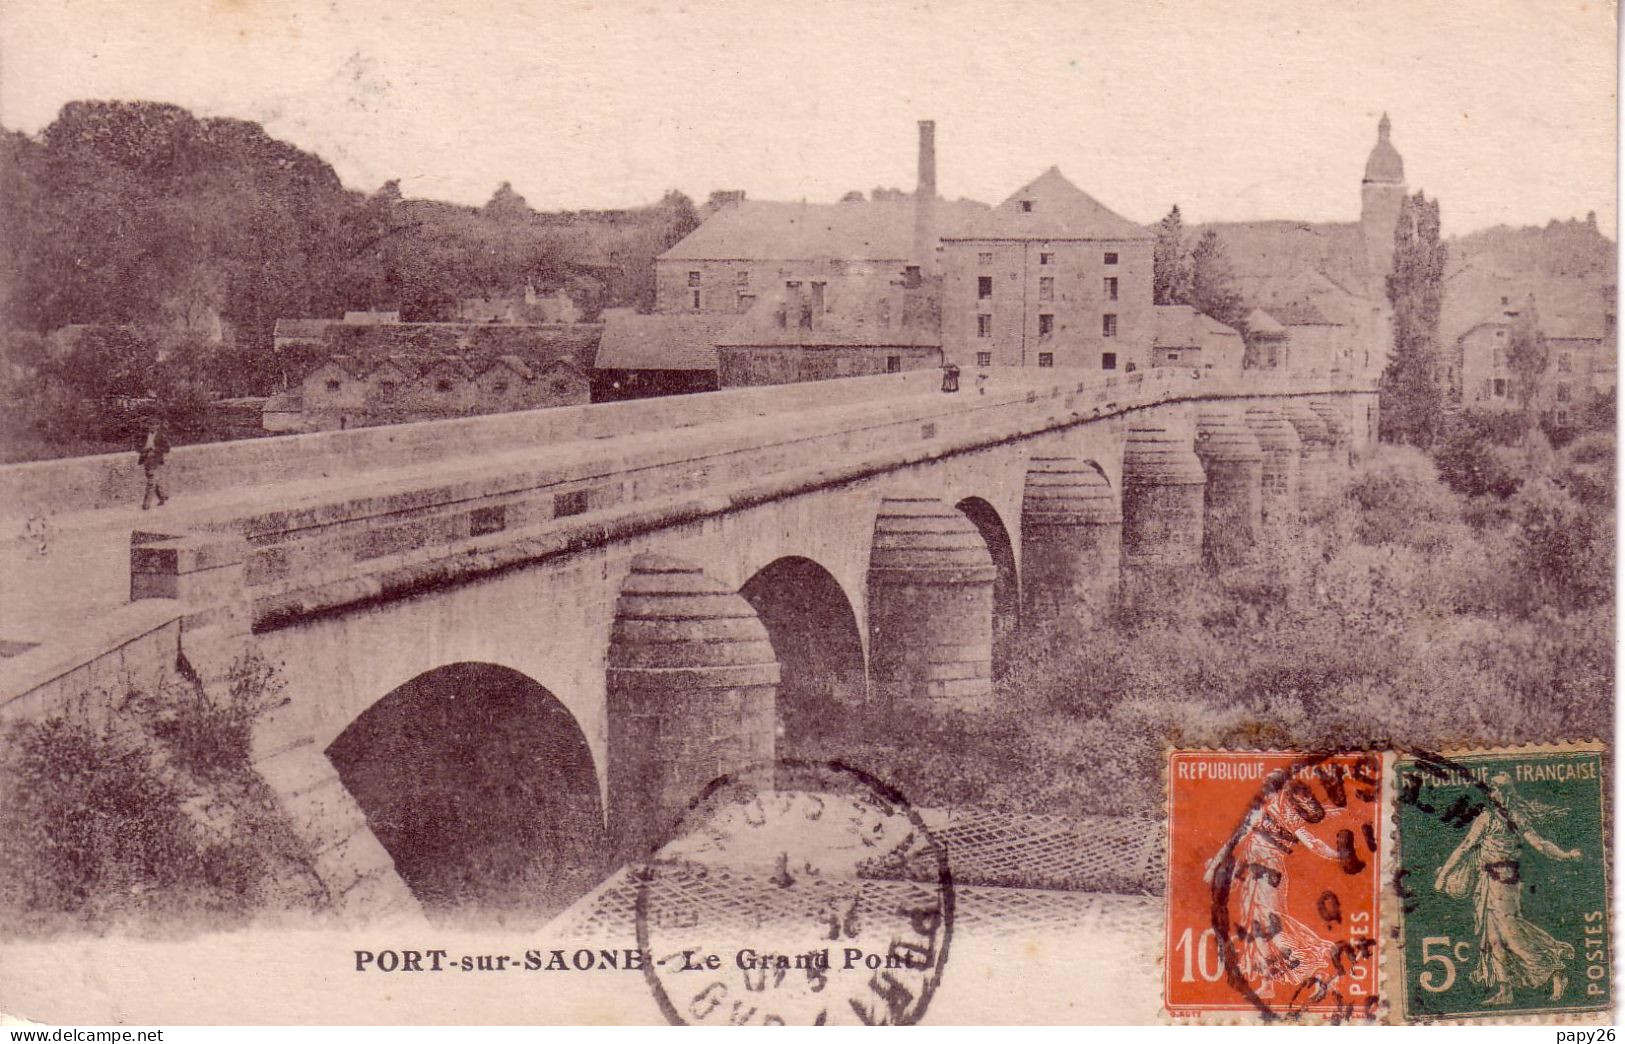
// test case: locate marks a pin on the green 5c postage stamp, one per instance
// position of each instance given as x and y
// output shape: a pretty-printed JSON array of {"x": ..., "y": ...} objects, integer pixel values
[{"x": 1502, "y": 880}]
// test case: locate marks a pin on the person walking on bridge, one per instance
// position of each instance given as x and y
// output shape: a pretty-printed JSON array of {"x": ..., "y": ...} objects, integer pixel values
[{"x": 151, "y": 457}]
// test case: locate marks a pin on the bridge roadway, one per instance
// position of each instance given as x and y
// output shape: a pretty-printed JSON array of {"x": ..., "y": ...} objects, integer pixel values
[{"x": 653, "y": 602}]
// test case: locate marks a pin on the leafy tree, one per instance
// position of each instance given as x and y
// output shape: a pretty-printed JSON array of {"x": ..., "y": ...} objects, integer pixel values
[
  {"x": 683, "y": 220},
  {"x": 1213, "y": 289},
  {"x": 1527, "y": 353},
  {"x": 1412, "y": 396},
  {"x": 506, "y": 205},
  {"x": 1170, "y": 265}
]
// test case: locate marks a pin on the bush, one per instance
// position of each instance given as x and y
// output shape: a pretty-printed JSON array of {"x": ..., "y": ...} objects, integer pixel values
[
  {"x": 1389, "y": 620},
  {"x": 153, "y": 821},
  {"x": 1469, "y": 463},
  {"x": 1398, "y": 500}
]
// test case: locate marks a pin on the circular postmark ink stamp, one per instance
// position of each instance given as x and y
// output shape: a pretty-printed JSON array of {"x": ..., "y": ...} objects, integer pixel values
[
  {"x": 783, "y": 902},
  {"x": 1274, "y": 884}
]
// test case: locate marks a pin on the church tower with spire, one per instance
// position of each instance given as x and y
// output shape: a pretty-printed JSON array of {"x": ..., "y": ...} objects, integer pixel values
[{"x": 1382, "y": 194}]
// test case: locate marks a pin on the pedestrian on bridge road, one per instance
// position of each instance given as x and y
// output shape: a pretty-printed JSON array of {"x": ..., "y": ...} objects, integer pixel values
[{"x": 151, "y": 457}]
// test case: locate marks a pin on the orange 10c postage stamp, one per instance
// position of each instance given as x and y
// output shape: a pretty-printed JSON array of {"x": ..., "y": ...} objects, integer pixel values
[{"x": 1274, "y": 879}]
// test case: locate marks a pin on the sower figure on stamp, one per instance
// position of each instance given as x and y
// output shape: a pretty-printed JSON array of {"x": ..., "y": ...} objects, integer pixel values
[
  {"x": 1513, "y": 952},
  {"x": 1272, "y": 946},
  {"x": 151, "y": 457}
]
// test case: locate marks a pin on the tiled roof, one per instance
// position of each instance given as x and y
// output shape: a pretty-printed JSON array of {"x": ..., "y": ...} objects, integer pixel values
[
  {"x": 1051, "y": 207},
  {"x": 1307, "y": 298},
  {"x": 759, "y": 230},
  {"x": 1215, "y": 328},
  {"x": 301, "y": 327},
  {"x": 1181, "y": 326},
  {"x": 1262, "y": 324},
  {"x": 1177, "y": 326},
  {"x": 1287, "y": 248},
  {"x": 660, "y": 342}
]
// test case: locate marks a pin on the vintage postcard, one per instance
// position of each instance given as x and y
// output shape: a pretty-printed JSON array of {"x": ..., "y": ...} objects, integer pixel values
[{"x": 951, "y": 513}]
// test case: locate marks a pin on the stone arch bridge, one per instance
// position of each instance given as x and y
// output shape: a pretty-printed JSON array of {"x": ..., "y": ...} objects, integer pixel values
[{"x": 522, "y": 655}]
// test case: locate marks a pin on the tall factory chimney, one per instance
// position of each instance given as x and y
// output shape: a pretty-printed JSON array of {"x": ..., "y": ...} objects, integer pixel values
[
  {"x": 927, "y": 188},
  {"x": 925, "y": 202}
]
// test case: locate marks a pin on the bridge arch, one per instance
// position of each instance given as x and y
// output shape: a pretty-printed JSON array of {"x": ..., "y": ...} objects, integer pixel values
[
  {"x": 815, "y": 636},
  {"x": 1006, "y": 580},
  {"x": 480, "y": 785}
]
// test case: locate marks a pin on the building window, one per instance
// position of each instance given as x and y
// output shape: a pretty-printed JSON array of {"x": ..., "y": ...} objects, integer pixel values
[
  {"x": 571, "y": 503},
  {"x": 792, "y": 284},
  {"x": 1562, "y": 418},
  {"x": 1562, "y": 393},
  {"x": 1108, "y": 360},
  {"x": 894, "y": 364},
  {"x": 1108, "y": 325},
  {"x": 911, "y": 277},
  {"x": 1110, "y": 258},
  {"x": 985, "y": 257},
  {"x": 1027, "y": 206},
  {"x": 1046, "y": 359},
  {"x": 984, "y": 326},
  {"x": 332, "y": 386},
  {"x": 1046, "y": 258},
  {"x": 693, "y": 279},
  {"x": 1046, "y": 288},
  {"x": 818, "y": 296},
  {"x": 1500, "y": 333},
  {"x": 1564, "y": 362},
  {"x": 984, "y": 287},
  {"x": 694, "y": 300},
  {"x": 501, "y": 388},
  {"x": 741, "y": 278},
  {"x": 1498, "y": 388},
  {"x": 1173, "y": 357},
  {"x": 745, "y": 301},
  {"x": 386, "y": 387},
  {"x": 1046, "y": 325},
  {"x": 1111, "y": 288},
  {"x": 442, "y": 385},
  {"x": 984, "y": 358},
  {"x": 1496, "y": 359}
]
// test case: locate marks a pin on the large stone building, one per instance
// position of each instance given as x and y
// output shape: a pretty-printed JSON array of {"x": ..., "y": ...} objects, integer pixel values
[
  {"x": 1049, "y": 277},
  {"x": 1582, "y": 358},
  {"x": 1566, "y": 272}
]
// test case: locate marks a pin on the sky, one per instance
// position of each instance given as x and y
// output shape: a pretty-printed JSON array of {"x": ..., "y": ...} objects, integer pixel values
[{"x": 1237, "y": 110}]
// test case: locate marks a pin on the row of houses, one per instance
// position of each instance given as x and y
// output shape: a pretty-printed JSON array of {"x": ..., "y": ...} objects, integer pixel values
[
  {"x": 346, "y": 391},
  {"x": 373, "y": 369}
]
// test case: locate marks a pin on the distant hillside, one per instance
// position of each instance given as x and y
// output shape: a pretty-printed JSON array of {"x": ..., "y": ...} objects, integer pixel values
[
  {"x": 139, "y": 212},
  {"x": 1562, "y": 249},
  {"x": 1568, "y": 268}
]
